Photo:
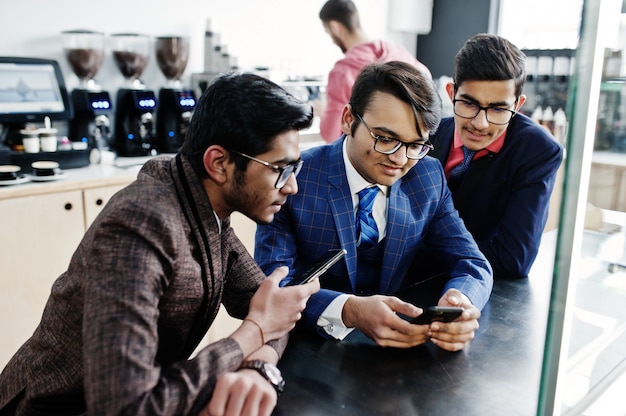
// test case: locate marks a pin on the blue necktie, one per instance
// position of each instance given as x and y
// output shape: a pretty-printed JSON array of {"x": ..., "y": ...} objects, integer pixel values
[
  {"x": 365, "y": 224},
  {"x": 460, "y": 169}
]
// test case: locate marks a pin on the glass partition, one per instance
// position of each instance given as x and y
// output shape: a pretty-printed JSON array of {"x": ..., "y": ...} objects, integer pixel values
[
  {"x": 584, "y": 366},
  {"x": 585, "y": 346}
]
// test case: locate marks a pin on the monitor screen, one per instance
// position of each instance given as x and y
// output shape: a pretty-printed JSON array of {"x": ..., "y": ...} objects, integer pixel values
[{"x": 31, "y": 89}]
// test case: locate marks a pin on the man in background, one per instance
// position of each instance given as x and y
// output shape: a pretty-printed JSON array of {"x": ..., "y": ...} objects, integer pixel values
[
  {"x": 376, "y": 194},
  {"x": 341, "y": 21},
  {"x": 500, "y": 165}
]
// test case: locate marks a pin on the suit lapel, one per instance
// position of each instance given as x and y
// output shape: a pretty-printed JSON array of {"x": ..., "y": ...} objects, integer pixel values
[
  {"x": 398, "y": 213},
  {"x": 204, "y": 227},
  {"x": 340, "y": 202}
]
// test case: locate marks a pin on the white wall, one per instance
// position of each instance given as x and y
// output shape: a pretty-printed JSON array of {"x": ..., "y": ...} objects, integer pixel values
[
  {"x": 541, "y": 24},
  {"x": 285, "y": 35}
]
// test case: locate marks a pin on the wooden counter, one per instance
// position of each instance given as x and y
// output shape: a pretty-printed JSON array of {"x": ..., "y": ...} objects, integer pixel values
[
  {"x": 120, "y": 173},
  {"x": 92, "y": 176}
]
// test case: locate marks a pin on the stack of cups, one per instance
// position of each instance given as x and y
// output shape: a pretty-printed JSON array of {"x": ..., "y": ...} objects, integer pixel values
[{"x": 35, "y": 140}]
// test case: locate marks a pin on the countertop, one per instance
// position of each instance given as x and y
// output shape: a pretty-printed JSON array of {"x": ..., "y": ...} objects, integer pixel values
[
  {"x": 121, "y": 171},
  {"x": 497, "y": 374},
  {"x": 609, "y": 158},
  {"x": 91, "y": 176}
]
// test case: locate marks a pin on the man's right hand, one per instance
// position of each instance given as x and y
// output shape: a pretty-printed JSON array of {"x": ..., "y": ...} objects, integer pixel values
[
  {"x": 278, "y": 309},
  {"x": 376, "y": 316}
]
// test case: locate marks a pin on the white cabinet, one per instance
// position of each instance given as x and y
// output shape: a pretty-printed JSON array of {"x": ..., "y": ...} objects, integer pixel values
[
  {"x": 607, "y": 186},
  {"x": 39, "y": 234},
  {"x": 95, "y": 199}
]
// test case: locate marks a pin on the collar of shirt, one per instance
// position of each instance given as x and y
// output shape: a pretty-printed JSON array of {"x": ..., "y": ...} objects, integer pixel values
[
  {"x": 356, "y": 182},
  {"x": 219, "y": 222},
  {"x": 456, "y": 151}
]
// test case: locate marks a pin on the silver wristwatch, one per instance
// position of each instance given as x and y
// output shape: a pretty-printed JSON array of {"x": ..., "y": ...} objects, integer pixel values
[{"x": 269, "y": 371}]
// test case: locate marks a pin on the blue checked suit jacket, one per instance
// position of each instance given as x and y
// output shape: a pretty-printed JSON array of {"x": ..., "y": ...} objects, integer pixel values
[{"x": 321, "y": 216}]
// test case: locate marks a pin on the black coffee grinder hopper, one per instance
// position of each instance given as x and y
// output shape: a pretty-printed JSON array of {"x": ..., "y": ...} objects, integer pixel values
[
  {"x": 135, "y": 104},
  {"x": 90, "y": 126},
  {"x": 176, "y": 104}
]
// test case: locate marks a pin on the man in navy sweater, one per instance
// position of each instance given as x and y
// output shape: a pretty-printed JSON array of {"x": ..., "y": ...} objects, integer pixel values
[{"x": 503, "y": 194}]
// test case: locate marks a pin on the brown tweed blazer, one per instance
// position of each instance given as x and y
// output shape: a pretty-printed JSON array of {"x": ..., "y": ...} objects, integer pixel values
[{"x": 140, "y": 292}]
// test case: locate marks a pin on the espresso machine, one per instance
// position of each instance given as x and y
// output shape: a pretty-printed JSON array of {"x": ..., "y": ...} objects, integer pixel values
[
  {"x": 176, "y": 104},
  {"x": 135, "y": 104},
  {"x": 84, "y": 51}
]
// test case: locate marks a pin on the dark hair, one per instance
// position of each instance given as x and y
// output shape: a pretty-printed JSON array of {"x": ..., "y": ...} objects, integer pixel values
[
  {"x": 487, "y": 57},
  {"x": 343, "y": 11},
  {"x": 403, "y": 81},
  {"x": 242, "y": 112}
]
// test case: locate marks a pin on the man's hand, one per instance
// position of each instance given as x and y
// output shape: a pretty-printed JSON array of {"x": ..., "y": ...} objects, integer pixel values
[
  {"x": 273, "y": 312},
  {"x": 376, "y": 316},
  {"x": 244, "y": 392},
  {"x": 278, "y": 309},
  {"x": 454, "y": 336}
]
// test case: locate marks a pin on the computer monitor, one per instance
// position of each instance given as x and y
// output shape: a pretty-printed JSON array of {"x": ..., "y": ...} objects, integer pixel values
[{"x": 32, "y": 89}]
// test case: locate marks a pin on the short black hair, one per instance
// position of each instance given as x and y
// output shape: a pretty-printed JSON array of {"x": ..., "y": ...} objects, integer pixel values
[
  {"x": 488, "y": 57},
  {"x": 242, "y": 112}
]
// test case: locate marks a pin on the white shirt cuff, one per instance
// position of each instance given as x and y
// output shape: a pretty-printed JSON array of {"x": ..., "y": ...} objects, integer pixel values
[{"x": 330, "y": 320}]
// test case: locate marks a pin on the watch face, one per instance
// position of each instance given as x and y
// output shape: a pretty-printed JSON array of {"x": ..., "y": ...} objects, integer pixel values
[{"x": 274, "y": 375}]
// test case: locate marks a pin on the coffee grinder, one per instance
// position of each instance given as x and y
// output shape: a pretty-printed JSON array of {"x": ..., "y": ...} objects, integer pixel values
[
  {"x": 84, "y": 51},
  {"x": 135, "y": 104},
  {"x": 176, "y": 104}
]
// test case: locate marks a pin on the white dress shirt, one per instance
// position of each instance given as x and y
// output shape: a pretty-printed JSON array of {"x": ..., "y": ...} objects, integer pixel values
[{"x": 330, "y": 319}]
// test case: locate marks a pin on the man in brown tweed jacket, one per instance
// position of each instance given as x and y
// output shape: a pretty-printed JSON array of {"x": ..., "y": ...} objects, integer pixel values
[{"x": 147, "y": 280}]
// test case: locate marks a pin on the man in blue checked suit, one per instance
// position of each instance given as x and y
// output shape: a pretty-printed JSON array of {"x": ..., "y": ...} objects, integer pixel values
[{"x": 386, "y": 127}]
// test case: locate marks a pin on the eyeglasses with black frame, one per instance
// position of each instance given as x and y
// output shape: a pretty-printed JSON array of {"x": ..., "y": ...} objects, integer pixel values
[
  {"x": 495, "y": 115},
  {"x": 284, "y": 172},
  {"x": 387, "y": 145}
]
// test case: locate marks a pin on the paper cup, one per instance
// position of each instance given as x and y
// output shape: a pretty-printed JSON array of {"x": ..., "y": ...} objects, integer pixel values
[
  {"x": 31, "y": 144},
  {"x": 48, "y": 143}
]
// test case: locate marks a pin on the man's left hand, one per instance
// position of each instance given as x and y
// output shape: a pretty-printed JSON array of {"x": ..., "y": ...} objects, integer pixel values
[
  {"x": 456, "y": 335},
  {"x": 244, "y": 392}
]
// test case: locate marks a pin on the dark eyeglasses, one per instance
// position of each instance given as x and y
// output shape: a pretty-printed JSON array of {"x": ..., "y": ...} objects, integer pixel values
[
  {"x": 495, "y": 115},
  {"x": 284, "y": 172},
  {"x": 387, "y": 145}
]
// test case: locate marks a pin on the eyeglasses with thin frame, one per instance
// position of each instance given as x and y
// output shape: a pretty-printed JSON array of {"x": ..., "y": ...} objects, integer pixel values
[
  {"x": 284, "y": 172},
  {"x": 387, "y": 145},
  {"x": 495, "y": 115}
]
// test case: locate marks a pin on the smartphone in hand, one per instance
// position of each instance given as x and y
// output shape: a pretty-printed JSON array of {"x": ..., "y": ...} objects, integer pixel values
[
  {"x": 320, "y": 267},
  {"x": 439, "y": 314}
]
